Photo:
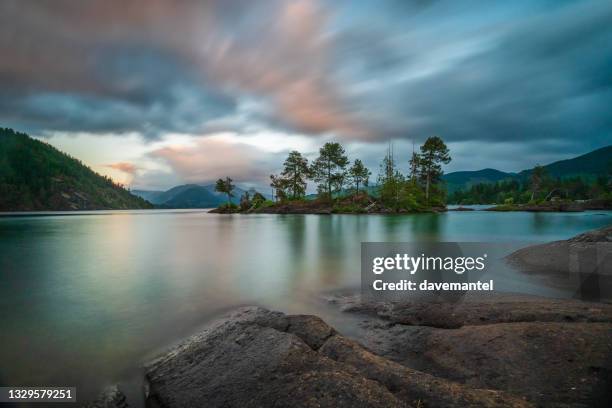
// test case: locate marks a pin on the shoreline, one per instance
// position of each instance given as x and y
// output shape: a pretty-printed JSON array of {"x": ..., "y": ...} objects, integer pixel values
[{"x": 440, "y": 354}]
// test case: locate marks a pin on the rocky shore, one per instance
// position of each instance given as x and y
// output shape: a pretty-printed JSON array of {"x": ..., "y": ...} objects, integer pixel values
[
  {"x": 550, "y": 352},
  {"x": 358, "y": 204},
  {"x": 487, "y": 351},
  {"x": 259, "y": 358}
]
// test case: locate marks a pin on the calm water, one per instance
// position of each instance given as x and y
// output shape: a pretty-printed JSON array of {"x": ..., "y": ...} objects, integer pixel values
[{"x": 85, "y": 299}]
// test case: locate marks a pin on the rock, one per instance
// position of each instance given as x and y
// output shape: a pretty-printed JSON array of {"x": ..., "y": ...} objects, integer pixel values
[
  {"x": 412, "y": 385},
  {"x": 258, "y": 358},
  {"x": 586, "y": 253},
  {"x": 552, "y": 352},
  {"x": 110, "y": 397}
]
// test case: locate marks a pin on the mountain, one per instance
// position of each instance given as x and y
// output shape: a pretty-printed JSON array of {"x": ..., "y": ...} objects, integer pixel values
[
  {"x": 36, "y": 176},
  {"x": 460, "y": 180},
  {"x": 190, "y": 196},
  {"x": 587, "y": 166}
]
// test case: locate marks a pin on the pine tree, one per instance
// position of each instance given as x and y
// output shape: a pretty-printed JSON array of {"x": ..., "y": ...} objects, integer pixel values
[
  {"x": 329, "y": 169},
  {"x": 537, "y": 179},
  {"x": 434, "y": 153},
  {"x": 359, "y": 174},
  {"x": 295, "y": 173}
]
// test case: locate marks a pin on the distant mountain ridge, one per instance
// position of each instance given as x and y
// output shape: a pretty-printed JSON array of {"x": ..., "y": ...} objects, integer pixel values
[
  {"x": 35, "y": 176},
  {"x": 465, "y": 179},
  {"x": 587, "y": 166},
  {"x": 190, "y": 196}
]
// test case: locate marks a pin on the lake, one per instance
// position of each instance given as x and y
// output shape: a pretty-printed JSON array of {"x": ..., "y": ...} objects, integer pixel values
[{"x": 86, "y": 299}]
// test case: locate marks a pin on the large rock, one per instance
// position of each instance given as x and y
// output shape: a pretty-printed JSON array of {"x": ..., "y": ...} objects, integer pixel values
[
  {"x": 258, "y": 358},
  {"x": 582, "y": 264},
  {"x": 552, "y": 352},
  {"x": 586, "y": 253}
]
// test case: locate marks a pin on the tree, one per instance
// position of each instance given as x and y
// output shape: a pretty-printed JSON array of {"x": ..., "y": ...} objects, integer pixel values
[
  {"x": 258, "y": 199},
  {"x": 434, "y": 153},
  {"x": 226, "y": 187},
  {"x": 415, "y": 164},
  {"x": 279, "y": 184},
  {"x": 329, "y": 169},
  {"x": 537, "y": 179},
  {"x": 245, "y": 201},
  {"x": 359, "y": 174},
  {"x": 390, "y": 181},
  {"x": 295, "y": 173}
]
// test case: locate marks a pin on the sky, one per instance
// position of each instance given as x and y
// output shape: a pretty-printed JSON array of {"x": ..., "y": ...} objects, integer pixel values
[{"x": 156, "y": 93}]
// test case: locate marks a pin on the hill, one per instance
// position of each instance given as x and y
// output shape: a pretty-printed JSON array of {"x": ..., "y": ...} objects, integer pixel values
[
  {"x": 588, "y": 166},
  {"x": 460, "y": 180},
  {"x": 36, "y": 176}
]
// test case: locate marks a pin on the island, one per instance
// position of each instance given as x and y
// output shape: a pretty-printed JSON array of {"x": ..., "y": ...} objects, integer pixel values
[{"x": 344, "y": 188}]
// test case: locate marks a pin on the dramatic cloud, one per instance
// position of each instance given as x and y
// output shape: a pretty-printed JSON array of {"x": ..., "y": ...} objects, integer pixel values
[{"x": 522, "y": 76}]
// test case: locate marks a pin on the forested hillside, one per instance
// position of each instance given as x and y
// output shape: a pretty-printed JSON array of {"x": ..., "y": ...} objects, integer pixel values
[{"x": 36, "y": 176}]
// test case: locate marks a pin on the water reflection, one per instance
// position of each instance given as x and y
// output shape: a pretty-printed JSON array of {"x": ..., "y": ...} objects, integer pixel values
[{"x": 91, "y": 296}]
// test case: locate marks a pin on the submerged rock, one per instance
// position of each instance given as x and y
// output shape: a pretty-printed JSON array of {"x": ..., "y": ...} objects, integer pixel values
[{"x": 258, "y": 358}]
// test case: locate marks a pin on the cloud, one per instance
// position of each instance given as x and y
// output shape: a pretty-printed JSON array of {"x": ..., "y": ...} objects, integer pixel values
[
  {"x": 159, "y": 66},
  {"x": 534, "y": 74},
  {"x": 125, "y": 167},
  {"x": 211, "y": 157},
  {"x": 537, "y": 77}
]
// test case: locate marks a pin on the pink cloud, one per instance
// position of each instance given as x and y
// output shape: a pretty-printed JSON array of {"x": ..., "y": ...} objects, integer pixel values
[
  {"x": 211, "y": 158},
  {"x": 124, "y": 167}
]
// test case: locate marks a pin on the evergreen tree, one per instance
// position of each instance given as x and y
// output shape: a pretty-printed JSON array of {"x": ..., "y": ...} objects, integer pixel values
[
  {"x": 434, "y": 153},
  {"x": 391, "y": 181},
  {"x": 538, "y": 175},
  {"x": 415, "y": 164},
  {"x": 359, "y": 174},
  {"x": 295, "y": 173},
  {"x": 329, "y": 169}
]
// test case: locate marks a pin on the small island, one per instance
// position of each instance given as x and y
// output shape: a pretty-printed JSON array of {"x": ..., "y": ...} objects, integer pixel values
[{"x": 343, "y": 188}]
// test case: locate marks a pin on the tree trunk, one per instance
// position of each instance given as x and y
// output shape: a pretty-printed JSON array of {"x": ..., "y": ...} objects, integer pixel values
[{"x": 427, "y": 187}]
